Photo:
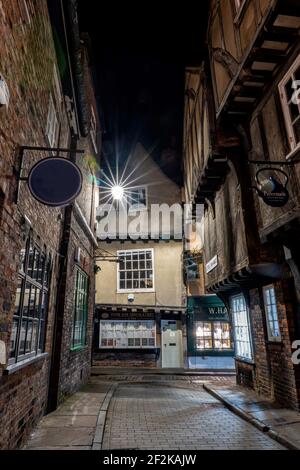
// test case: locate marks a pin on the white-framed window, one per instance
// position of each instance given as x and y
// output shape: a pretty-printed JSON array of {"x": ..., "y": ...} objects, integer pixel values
[
  {"x": 136, "y": 198},
  {"x": 127, "y": 334},
  {"x": 52, "y": 123},
  {"x": 212, "y": 335},
  {"x": 290, "y": 100},
  {"x": 136, "y": 270},
  {"x": 93, "y": 129},
  {"x": 57, "y": 83},
  {"x": 241, "y": 328},
  {"x": 271, "y": 313}
]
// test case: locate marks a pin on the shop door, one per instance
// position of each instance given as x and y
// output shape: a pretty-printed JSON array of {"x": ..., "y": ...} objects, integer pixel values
[{"x": 171, "y": 340}]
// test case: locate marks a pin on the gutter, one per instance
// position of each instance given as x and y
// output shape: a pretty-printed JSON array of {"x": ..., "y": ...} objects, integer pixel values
[
  {"x": 78, "y": 68},
  {"x": 69, "y": 63}
]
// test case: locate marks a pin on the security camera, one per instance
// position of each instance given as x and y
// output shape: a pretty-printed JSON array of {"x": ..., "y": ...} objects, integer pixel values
[{"x": 130, "y": 297}]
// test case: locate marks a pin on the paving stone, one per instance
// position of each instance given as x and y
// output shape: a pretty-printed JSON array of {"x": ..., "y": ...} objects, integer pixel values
[
  {"x": 61, "y": 437},
  {"x": 77, "y": 421},
  {"x": 158, "y": 417}
]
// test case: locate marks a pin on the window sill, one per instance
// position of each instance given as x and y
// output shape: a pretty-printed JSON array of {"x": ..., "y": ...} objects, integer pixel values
[
  {"x": 78, "y": 348},
  {"x": 21, "y": 364},
  {"x": 273, "y": 342},
  {"x": 133, "y": 291},
  {"x": 130, "y": 348},
  {"x": 243, "y": 359}
]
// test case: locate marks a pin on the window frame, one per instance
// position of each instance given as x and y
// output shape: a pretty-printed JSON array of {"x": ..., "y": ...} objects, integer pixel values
[
  {"x": 57, "y": 83},
  {"x": 212, "y": 324},
  {"x": 52, "y": 122},
  {"x": 143, "y": 289},
  {"x": 76, "y": 308},
  {"x": 271, "y": 338},
  {"x": 93, "y": 129},
  {"x": 294, "y": 146},
  {"x": 136, "y": 207},
  {"x": 235, "y": 326},
  {"x": 153, "y": 329},
  {"x": 43, "y": 287}
]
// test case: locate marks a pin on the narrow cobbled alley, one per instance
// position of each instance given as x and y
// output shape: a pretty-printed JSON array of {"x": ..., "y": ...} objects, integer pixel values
[{"x": 137, "y": 411}]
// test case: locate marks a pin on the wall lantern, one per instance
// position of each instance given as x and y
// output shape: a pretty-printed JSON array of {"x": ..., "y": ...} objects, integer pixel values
[{"x": 4, "y": 92}]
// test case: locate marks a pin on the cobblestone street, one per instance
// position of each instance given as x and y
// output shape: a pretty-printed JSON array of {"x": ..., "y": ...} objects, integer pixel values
[{"x": 154, "y": 416}]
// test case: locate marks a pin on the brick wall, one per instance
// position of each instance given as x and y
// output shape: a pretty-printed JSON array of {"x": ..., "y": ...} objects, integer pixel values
[
  {"x": 275, "y": 374},
  {"x": 75, "y": 364},
  {"x": 124, "y": 359},
  {"x": 27, "y": 61}
]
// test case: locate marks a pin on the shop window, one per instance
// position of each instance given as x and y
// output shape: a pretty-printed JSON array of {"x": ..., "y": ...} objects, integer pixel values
[
  {"x": 241, "y": 327},
  {"x": 30, "y": 313},
  {"x": 212, "y": 335},
  {"x": 135, "y": 270},
  {"x": 289, "y": 90},
  {"x": 271, "y": 313},
  {"x": 79, "y": 335},
  {"x": 127, "y": 334},
  {"x": 137, "y": 198}
]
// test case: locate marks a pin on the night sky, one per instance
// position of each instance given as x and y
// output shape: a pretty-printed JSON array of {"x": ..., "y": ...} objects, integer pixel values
[{"x": 139, "y": 52}]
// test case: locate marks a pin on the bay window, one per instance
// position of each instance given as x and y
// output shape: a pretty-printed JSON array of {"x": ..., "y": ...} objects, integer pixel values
[
  {"x": 289, "y": 90},
  {"x": 212, "y": 335}
]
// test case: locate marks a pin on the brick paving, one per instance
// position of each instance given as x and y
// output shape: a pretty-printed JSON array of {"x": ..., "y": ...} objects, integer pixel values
[{"x": 155, "y": 416}]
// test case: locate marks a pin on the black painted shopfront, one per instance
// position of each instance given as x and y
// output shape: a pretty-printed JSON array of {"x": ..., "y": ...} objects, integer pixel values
[
  {"x": 209, "y": 334},
  {"x": 132, "y": 336}
]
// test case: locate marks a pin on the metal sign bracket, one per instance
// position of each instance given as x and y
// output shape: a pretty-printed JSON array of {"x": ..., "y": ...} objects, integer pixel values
[{"x": 23, "y": 149}]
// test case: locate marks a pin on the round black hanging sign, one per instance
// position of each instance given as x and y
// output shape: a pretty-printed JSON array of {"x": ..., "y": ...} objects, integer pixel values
[
  {"x": 55, "y": 181},
  {"x": 272, "y": 188}
]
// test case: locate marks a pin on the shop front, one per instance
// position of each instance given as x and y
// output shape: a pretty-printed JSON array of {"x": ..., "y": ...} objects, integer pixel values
[
  {"x": 138, "y": 337},
  {"x": 209, "y": 334}
]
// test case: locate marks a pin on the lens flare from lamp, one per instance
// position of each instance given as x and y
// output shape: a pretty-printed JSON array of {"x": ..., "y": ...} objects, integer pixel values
[{"x": 117, "y": 192}]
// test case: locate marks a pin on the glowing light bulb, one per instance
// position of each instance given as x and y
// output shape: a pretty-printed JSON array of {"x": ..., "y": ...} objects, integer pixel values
[{"x": 117, "y": 192}]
